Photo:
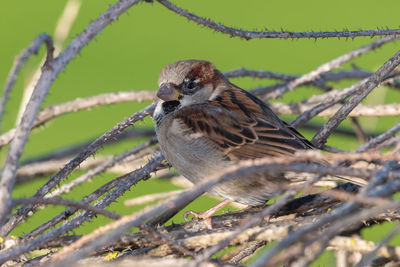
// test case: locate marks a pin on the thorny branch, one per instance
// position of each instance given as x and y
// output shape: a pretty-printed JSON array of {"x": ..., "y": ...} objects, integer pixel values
[
  {"x": 21, "y": 213},
  {"x": 242, "y": 169},
  {"x": 65, "y": 202},
  {"x": 50, "y": 71},
  {"x": 362, "y": 91},
  {"x": 54, "y": 111},
  {"x": 21, "y": 134},
  {"x": 233, "y": 32},
  {"x": 304, "y": 227},
  {"x": 125, "y": 183},
  {"x": 19, "y": 61},
  {"x": 335, "y": 63}
]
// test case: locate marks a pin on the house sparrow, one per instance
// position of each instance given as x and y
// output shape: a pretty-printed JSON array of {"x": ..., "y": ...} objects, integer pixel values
[{"x": 204, "y": 123}]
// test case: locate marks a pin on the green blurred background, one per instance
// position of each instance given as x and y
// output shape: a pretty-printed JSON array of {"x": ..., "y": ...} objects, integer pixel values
[{"x": 129, "y": 53}]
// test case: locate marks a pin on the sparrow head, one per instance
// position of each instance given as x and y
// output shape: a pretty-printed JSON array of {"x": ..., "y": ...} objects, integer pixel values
[{"x": 189, "y": 82}]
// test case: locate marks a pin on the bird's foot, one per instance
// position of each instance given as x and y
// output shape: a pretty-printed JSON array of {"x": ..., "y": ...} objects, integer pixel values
[{"x": 206, "y": 216}]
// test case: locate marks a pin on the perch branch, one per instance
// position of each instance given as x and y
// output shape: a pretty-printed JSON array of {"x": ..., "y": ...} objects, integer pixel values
[
  {"x": 137, "y": 219},
  {"x": 336, "y": 218},
  {"x": 124, "y": 184}
]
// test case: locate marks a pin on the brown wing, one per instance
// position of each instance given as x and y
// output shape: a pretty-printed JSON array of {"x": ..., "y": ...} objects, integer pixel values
[
  {"x": 226, "y": 130},
  {"x": 247, "y": 130}
]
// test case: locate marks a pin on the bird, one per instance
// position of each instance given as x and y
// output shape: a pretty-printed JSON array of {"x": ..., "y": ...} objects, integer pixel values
[{"x": 205, "y": 123}]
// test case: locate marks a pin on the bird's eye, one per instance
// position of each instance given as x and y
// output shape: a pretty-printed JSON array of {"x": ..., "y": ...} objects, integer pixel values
[{"x": 191, "y": 85}]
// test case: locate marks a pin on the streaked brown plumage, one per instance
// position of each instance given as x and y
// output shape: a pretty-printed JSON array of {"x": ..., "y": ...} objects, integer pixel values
[{"x": 205, "y": 123}]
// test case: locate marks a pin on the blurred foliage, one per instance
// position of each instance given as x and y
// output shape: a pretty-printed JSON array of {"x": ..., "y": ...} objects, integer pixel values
[{"x": 130, "y": 52}]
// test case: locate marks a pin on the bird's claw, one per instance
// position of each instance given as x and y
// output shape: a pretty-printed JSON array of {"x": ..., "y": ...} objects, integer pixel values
[
  {"x": 193, "y": 213},
  {"x": 199, "y": 215}
]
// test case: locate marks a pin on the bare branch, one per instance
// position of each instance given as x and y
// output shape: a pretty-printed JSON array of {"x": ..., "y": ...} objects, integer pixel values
[
  {"x": 65, "y": 202},
  {"x": 94, "y": 101},
  {"x": 337, "y": 218},
  {"x": 380, "y": 249},
  {"x": 122, "y": 184},
  {"x": 278, "y": 206},
  {"x": 51, "y": 70},
  {"x": 359, "y": 216},
  {"x": 379, "y": 139},
  {"x": 42, "y": 168},
  {"x": 169, "y": 242},
  {"x": 21, "y": 213},
  {"x": 89, "y": 198},
  {"x": 243, "y": 72},
  {"x": 335, "y": 63},
  {"x": 304, "y": 226},
  {"x": 19, "y": 61},
  {"x": 61, "y": 31},
  {"x": 359, "y": 111},
  {"x": 151, "y": 197},
  {"x": 74, "y": 149},
  {"x": 135, "y": 261},
  {"x": 21, "y": 134},
  {"x": 318, "y": 82},
  {"x": 325, "y": 104},
  {"x": 364, "y": 89},
  {"x": 137, "y": 219},
  {"x": 101, "y": 168},
  {"x": 247, "y": 251},
  {"x": 54, "y": 111},
  {"x": 273, "y": 34}
]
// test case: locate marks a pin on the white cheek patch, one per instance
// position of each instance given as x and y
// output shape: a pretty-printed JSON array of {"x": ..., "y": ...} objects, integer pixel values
[
  {"x": 186, "y": 101},
  {"x": 201, "y": 96},
  {"x": 158, "y": 112}
]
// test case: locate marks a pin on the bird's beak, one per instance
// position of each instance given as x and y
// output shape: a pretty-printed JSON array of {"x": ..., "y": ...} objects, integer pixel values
[{"x": 168, "y": 92}]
